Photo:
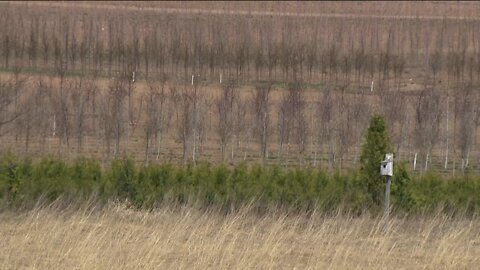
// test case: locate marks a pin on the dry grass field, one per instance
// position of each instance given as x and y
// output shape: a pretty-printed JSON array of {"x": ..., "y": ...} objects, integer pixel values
[{"x": 184, "y": 238}]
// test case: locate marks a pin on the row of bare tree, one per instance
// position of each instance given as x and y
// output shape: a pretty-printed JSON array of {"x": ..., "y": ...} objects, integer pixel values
[
  {"x": 83, "y": 115},
  {"x": 338, "y": 50}
]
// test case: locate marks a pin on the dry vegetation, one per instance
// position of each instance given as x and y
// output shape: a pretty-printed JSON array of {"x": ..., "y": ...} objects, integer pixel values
[
  {"x": 184, "y": 238},
  {"x": 278, "y": 82}
]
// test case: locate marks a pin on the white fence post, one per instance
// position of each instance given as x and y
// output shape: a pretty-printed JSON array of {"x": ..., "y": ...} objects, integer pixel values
[{"x": 415, "y": 162}]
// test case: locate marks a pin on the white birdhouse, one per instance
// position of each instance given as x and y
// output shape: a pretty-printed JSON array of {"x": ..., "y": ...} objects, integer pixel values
[{"x": 386, "y": 167}]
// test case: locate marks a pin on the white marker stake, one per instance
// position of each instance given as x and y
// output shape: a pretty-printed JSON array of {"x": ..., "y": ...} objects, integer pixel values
[
  {"x": 220, "y": 78},
  {"x": 54, "y": 125},
  {"x": 415, "y": 162},
  {"x": 192, "y": 78},
  {"x": 426, "y": 162},
  {"x": 133, "y": 77},
  {"x": 371, "y": 87}
]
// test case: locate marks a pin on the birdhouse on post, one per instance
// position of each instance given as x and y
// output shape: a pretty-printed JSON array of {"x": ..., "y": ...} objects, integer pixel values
[{"x": 386, "y": 167}]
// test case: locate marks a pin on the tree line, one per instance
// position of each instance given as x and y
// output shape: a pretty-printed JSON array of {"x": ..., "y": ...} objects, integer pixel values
[
  {"x": 161, "y": 120},
  {"x": 338, "y": 51}
]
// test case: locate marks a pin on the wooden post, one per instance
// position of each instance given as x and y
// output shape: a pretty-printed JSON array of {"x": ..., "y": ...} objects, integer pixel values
[
  {"x": 388, "y": 181},
  {"x": 386, "y": 169}
]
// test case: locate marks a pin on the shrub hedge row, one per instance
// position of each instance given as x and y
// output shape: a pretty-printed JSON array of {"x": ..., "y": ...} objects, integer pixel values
[{"x": 24, "y": 182}]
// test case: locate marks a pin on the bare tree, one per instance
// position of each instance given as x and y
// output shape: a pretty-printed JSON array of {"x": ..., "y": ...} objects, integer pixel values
[
  {"x": 225, "y": 106},
  {"x": 79, "y": 94},
  {"x": 199, "y": 112},
  {"x": 332, "y": 56},
  {"x": 343, "y": 123},
  {"x": 327, "y": 132},
  {"x": 6, "y": 41},
  {"x": 27, "y": 119},
  {"x": 45, "y": 43},
  {"x": 62, "y": 111},
  {"x": 127, "y": 81},
  {"x": 191, "y": 113},
  {"x": 291, "y": 120},
  {"x": 241, "y": 127},
  {"x": 18, "y": 83},
  {"x": 465, "y": 111},
  {"x": 435, "y": 64},
  {"x": 43, "y": 110},
  {"x": 261, "y": 100},
  {"x": 33, "y": 42},
  {"x": 398, "y": 69},
  {"x": 384, "y": 63},
  {"x": 346, "y": 67},
  {"x": 394, "y": 109},
  {"x": 112, "y": 114},
  {"x": 428, "y": 117},
  {"x": 157, "y": 115},
  {"x": 8, "y": 112},
  {"x": 182, "y": 104},
  {"x": 361, "y": 115}
]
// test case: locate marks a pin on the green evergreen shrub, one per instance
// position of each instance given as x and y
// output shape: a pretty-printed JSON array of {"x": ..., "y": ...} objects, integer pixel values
[
  {"x": 151, "y": 185},
  {"x": 401, "y": 184},
  {"x": 374, "y": 148},
  {"x": 23, "y": 183},
  {"x": 87, "y": 177},
  {"x": 119, "y": 180}
]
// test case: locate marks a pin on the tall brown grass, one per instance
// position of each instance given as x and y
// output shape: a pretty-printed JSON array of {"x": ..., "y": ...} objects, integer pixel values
[{"x": 174, "y": 237}]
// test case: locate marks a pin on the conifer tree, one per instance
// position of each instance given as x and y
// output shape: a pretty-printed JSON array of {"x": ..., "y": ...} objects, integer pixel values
[{"x": 374, "y": 148}]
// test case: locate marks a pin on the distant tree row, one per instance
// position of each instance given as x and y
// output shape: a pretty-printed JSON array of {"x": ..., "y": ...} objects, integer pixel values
[
  {"x": 268, "y": 124},
  {"x": 334, "y": 50}
]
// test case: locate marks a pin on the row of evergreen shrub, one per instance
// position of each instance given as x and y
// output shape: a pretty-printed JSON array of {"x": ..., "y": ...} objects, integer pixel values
[{"x": 24, "y": 182}]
